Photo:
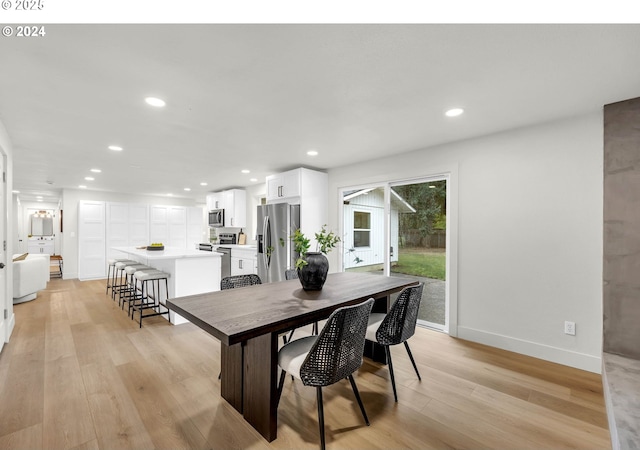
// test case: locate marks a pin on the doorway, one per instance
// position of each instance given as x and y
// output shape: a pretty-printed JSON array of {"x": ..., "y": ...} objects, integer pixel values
[
  {"x": 401, "y": 229},
  {"x": 4, "y": 305}
]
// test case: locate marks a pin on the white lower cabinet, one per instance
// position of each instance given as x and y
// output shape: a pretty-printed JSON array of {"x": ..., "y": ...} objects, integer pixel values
[
  {"x": 41, "y": 247},
  {"x": 243, "y": 262}
]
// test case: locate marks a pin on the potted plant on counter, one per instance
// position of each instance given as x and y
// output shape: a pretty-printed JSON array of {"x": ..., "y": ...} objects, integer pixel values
[{"x": 313, "y": 267}]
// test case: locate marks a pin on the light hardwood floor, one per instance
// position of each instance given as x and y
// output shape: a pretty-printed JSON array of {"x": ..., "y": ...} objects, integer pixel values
[{"x": 79, "y": 374}]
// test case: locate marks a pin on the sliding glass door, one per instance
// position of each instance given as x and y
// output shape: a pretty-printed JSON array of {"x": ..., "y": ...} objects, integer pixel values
[
  {"x": 400, "y": 228},
  {"x": 421, "y": 231}
]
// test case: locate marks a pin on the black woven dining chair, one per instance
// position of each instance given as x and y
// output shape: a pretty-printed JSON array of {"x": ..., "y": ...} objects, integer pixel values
[
  {"x": 397, "y": 326},
  {"x": 238, "y": 281},
  {"x": 329, "y": 357},
  {"x": 291, "y": 274}
]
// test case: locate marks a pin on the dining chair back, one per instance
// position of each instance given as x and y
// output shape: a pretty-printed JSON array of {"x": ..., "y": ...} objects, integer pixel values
[
  {"x": 400, "y": 322},
  {"x": 397, "y": 326},
  {"x": 291, "y": 274},
  {"x": 238, "y": 281},
  {"x": 334, "y": 354}
]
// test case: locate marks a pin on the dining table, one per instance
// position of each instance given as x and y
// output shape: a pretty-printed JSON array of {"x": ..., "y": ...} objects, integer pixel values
[{"x": 249, "y": 320}]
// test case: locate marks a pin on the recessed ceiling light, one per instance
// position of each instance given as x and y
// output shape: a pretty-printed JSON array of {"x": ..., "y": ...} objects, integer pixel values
[
  {"x": 312, "y": 153},
  {"x": 39, "y": 197},
  {"x": 454, "y": 112},
  {"x": 245, "y": 171},
  {"x": 169, "y": 194},
  {"x": 115, "y": 148},
  {"x": 15, "y": 192},
  {"x": 89, "y": 178},
  {"x": 153, "y": 101},
  {"x": 253, "y": 180},
  {"x": 96, "y": 170},
  {"x": 82, "y": 186},
  {"x": 187, "y": 189},
  {"x": 203, "y": 184}
]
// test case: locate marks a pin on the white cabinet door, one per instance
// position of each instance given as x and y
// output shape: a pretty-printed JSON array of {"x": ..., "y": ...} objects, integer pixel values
[
  {"x": 177, "y": 227},
  {"x": 243, "y": 261},
  {"x": 215, "y": 200},
  {"x": 235, "y": 213},
  {"x": 41, "y": 247},
  {"x": 283, "y": 186},
  {"x": 91, "y": 240},
  {"x": 243, "y": 266},
  {"x": 138, "y": 225},
  {"x": 117, "y": 228},
  {"x": 159, "y": 224},
  {"x": 49, "y": 247},
  {"x": 196, "y": 227}
]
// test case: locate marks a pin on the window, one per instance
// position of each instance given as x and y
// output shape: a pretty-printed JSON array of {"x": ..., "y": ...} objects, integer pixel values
[{"x": 361, "y": 229}]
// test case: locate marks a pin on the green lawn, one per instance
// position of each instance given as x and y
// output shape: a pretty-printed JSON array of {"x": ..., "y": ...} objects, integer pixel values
[{"x": 421, "y": 264}]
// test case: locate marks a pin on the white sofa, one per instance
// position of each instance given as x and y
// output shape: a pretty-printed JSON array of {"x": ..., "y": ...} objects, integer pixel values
[{"x": 30, "y": 275}]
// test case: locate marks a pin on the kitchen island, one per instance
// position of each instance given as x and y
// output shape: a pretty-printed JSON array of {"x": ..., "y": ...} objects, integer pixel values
[{"x": 191, "y": 271}]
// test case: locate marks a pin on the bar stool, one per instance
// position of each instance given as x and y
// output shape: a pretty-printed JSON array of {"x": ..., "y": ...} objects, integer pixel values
[
  {"x": 138, "y": 285},
  {"x": 150, "y": 299},
  {"x": 129, "y": 291},
  {"x": 118, "y": 268},
  {"x": 111, "y": 271}
]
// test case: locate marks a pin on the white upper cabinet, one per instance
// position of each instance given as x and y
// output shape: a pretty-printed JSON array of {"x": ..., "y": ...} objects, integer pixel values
[
  {"x": 304, "y": 187},
  {"x": 234, "y": 203},
  {"x": 284, "y": 186},
  {"x": 235, "y": 208},
  {"x": 215, "y": 201}
]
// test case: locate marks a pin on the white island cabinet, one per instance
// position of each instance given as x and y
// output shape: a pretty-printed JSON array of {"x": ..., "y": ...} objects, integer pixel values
[{"x": 190, "y": 271}]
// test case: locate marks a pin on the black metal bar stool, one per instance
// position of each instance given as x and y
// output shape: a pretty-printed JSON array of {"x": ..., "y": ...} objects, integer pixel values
[
  {"x": 116, "y": 280},
  {"x": 150, "y": 298},
  {"x": 129, "y": 291}
]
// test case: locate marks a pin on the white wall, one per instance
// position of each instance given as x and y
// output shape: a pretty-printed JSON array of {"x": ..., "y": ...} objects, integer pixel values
[
  {"x": 529, "y": 234},
  {"x": 70, "y": 199}
]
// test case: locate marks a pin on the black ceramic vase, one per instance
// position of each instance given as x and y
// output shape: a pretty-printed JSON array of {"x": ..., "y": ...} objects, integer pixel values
[{"x": 314, "y": 274}]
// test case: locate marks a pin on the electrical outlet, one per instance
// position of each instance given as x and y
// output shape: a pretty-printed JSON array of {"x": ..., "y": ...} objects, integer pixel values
[{"x": 570, "y": 328}]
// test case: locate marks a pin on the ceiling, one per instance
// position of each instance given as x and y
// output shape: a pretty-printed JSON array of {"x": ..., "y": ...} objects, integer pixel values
[{"x": 258, "y": 97}]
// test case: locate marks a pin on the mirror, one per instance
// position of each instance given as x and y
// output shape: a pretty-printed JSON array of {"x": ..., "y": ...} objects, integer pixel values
[{"x": 41, "y": 225}]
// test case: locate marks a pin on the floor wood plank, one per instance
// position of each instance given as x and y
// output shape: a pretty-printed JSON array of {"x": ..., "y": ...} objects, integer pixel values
[{"x": 79, "y": 374}]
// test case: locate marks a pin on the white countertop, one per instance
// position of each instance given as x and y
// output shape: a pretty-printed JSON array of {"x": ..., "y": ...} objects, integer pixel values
[
  {"x": 168, "y": 253},
  {"x": 248, "y": 246}
]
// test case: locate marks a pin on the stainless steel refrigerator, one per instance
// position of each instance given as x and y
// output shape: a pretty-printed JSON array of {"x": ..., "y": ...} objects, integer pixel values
[{"x": 276, "y": 254}]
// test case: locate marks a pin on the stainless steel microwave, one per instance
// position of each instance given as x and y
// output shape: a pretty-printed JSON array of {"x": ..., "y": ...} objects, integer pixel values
[{"x": 216, "y": 218}]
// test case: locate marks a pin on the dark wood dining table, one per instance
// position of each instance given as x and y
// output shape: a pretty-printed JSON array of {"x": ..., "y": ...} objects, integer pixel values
[{"x": 248, "y": 321}]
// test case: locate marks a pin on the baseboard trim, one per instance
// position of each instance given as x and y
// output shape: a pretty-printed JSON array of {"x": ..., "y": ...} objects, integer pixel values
[{"x": 565, "y": 357}]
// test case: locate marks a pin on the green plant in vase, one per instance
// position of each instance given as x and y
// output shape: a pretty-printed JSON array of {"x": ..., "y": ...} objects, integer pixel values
[{"x": 313, "y": 267}]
